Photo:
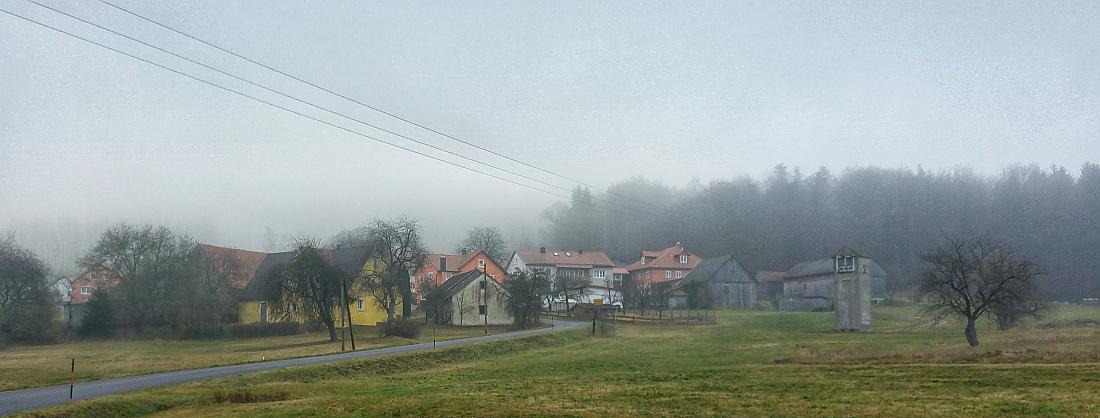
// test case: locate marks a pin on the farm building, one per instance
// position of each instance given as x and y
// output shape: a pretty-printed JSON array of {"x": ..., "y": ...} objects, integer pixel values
[
  {"x": 474, "y": 298},
  {"x": 719, "y": 282},
  {"x": 809, "y": 286}
]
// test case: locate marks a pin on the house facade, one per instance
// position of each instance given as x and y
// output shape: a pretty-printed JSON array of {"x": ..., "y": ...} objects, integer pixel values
[
  {"x": 80, "y": 291},
  {"x": 439, "y": 268},
  {"x": 591, "y": 271},
  {"x": 474, "y": 298},
  {"x": 672, "y": 263}
]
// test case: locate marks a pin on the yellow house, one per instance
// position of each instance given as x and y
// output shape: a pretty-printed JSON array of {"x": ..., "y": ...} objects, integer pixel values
[{"x": 249, "y": 272}]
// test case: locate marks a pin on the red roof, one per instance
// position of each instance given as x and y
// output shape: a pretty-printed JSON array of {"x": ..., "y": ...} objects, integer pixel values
[
  {"x": 454, "y": 261},
  {"x": 242, "y": 263},
  {"x": 668, "y": 258},
  {"x": 565, "y": 258}
]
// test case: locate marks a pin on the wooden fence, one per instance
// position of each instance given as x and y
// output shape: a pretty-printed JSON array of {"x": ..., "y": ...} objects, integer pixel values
[{"x": 656, "y": 317}]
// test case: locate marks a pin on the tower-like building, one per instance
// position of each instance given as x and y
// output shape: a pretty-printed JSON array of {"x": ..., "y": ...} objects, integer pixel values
[{"x": 852, "y": 290}]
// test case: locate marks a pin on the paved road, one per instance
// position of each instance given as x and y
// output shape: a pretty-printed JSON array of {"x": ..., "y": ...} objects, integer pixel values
[{"x": 24, "y": 399}]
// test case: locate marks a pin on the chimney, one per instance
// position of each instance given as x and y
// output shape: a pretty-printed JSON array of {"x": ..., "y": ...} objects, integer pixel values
[
  {"x": 542, "y": 250},
  {"x": 442, "y": 263}
]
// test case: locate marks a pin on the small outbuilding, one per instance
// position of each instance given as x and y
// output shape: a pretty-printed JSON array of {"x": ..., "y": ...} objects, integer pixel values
[
  {"x": 720, "y": 282},
  {"x": 474, "y": 298}
]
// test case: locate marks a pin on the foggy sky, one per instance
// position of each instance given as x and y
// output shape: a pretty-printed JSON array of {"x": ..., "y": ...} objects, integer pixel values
[{"x": 597, "y": 91}]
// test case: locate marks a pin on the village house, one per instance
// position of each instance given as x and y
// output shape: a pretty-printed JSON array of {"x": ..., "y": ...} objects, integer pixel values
[
  {"x": 249, "y": 272},
  {"x": 719, "y": 282},
  {"x": 474, "y": 298},
  {"x": 80, "y": 291},
  {"x": 809, "y": 286},
  {"x": 672, "y": 263},
  {"x": 590, "y": 271},
  {"x": 438, "y": 268}
]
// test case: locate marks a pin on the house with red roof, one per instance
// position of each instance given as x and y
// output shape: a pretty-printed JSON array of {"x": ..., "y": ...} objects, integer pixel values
[
  {"x": 590, "y": 272},
  {"x": 672, "y": 263},
  {"x": 439, "y": 268}
]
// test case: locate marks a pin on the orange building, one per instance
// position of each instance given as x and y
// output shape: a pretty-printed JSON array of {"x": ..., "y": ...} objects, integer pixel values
[
  {"x": 672, "y": 263},
  {"x": 438, "y": 268},
  {"x": 83, "y": 286}
]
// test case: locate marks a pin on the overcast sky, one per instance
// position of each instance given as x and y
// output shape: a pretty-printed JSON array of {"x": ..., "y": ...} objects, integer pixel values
[{"x": 598, "y": 91}]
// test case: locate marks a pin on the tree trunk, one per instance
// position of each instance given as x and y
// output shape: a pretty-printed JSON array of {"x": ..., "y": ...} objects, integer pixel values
[
  {"x": 331, "y": 325},
  {"x": 971, "y": 333}
]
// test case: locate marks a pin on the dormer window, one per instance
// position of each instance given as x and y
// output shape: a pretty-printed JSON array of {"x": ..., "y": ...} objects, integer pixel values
[
  {"x": 684, "y": 259},
  {"x": 643, "y": 259},
  {"x": 846, "y": 264},
  {"x": 481, "y": 263}
]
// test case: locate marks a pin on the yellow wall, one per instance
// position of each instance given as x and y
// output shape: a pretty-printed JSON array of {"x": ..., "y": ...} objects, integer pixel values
[{"x": 249, "y": 312}]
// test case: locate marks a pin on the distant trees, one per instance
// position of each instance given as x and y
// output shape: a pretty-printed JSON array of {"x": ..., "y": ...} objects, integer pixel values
[
  {"x": 484, "y": 238},
  {"x": 162, "y": 281},
  {"x": 523, "y": 294},
  {"x": 894, "y": 215},
  {"x": 308, "y": 289},
  {"x": 27, "y": 309},
  {"x": 972, "y": 277}
]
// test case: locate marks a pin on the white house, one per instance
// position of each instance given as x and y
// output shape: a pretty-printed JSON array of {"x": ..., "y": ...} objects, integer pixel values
[{"x": 592, "y": 268}]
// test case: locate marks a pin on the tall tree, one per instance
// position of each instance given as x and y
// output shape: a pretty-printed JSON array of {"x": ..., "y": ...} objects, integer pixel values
[
  {"x": 523, "y": 293},
  {"x": 26, "y": 301},
  {"x": 484, "y": 238},
  {"x": 147, "y": 261},
  {"x": 400, "y": 248},
  {"x": 308, "y": 288},
  {"x": 970, "y": 278}
]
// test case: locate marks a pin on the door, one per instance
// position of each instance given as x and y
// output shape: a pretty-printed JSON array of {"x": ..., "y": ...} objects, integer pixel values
[{"x": 263, "y": 312}]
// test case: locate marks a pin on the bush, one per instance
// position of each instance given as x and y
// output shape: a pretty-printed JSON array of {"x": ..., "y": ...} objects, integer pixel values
[
  {"x": 99, "y": 321},
  {"x": 264, "y": 330},
  {"x": 400, "y": 327}
]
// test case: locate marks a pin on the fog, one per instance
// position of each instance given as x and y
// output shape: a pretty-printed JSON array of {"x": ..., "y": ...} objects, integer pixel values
[{"x": 678, "y": 93}]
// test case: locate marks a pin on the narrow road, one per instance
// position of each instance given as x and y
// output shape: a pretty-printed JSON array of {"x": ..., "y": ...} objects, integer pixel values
[{"x": 24, "y": 399}]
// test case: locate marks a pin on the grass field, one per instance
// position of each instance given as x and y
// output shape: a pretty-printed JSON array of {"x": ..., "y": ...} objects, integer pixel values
[
  {"x": 31, "y": 366},
  {"x": 750, "y": 363}
]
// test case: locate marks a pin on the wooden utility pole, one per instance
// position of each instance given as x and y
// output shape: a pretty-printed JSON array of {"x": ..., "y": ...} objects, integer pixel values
[{"x": 347, "y": 307}]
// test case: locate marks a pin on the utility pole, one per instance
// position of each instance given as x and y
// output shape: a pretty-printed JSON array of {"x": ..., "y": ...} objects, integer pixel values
[
  {"x": 347, "y": 307},
  {"x": 485, "y": 295}
]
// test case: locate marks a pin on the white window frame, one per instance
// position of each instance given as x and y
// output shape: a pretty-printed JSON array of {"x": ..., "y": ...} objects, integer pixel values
[
  {"x": 683, "y": 259},
  {"x": 85, "y": 290},
  {"x": 359, "y": 304},
  {"x": 599, "y": 274},
  {"x": 643, "y": 259},
  {"x": 679, "y": 274},
  {"x": 481, "y": 263},
  {"x": 647, "y": 274},
  {"x": 668, "y": 274}
]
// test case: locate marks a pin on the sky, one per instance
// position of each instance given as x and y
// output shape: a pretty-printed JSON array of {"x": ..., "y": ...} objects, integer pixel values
[{"x": 594, "y": 91}]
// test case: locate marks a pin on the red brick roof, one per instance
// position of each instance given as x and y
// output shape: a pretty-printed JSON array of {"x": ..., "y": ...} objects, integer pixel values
[
  {"x": 565, "y": 258},
  {"x": 246, "y": 263},
  {"x": 454, "y": 261},
  {"x": 668, "y": 258}
]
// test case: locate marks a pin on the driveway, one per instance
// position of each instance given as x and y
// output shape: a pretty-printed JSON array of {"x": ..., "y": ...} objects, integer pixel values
[{"x": 24, "y": 399}]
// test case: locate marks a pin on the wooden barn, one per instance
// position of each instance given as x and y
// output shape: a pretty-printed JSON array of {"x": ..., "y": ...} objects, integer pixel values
[{"x": 719, "y": 282}]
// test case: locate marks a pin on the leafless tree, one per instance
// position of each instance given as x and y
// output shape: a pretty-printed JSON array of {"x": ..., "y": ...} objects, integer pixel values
[
  {"x": 399, "y": 249},
  {"x": 484, "y": 238},
  {"x": 970, "y": 277},
  {"x": 308, "y": 288},
  {"x": 26, "y": 301}
]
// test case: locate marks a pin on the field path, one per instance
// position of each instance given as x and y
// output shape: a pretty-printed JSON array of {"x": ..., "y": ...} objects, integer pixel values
[{"x": 24, "y": 399}]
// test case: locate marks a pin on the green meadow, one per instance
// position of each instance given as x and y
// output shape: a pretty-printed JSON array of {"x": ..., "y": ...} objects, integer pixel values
[{"x": 749, "y": 363}]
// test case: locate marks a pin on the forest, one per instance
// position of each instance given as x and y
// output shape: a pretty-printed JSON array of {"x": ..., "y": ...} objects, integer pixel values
[{"x": 1051, "y": 215}]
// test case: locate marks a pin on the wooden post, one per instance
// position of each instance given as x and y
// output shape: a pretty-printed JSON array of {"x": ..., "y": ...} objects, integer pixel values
[{"x": 72, "y": 379}]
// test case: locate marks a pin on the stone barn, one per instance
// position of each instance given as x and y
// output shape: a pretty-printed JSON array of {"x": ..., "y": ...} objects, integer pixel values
[{"x": 720, "y": 283}]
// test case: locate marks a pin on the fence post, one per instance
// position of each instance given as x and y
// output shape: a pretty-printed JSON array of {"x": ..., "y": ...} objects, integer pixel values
[{"x": 72, "y": 379}]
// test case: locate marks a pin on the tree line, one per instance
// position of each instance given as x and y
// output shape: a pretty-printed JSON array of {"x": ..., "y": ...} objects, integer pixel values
[{"x": 893, "y": 215}]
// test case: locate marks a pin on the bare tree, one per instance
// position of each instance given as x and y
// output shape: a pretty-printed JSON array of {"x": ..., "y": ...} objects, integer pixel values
[
  {"x": 972, "y": 277},
  {"x": 400, "y": 249},
  {"x": 26, "y": 301},
  {"x": 639, "y": 294},
  {"x": 308, "y": 288},
  {"x": 484, "y": 238},
  {"x": 523, "y": 293}
]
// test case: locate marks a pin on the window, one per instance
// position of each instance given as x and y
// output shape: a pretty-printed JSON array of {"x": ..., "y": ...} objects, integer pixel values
[
  {"x": 647, "y": 274},
  {"x": 482, "y": 309},
  {"x": 599, "y": 273},
  {"x": 450, "y": 275},
  {"x": 668, "y": 274},
  {"x": 85, "y": 290},
  {"x": 359, "y": 305},
  {"x": 683, "y": 259},
  {"x": 481, "y": 263},
  {"x": 845, "y": 264},
  {"x": 679, "y": 274},
  {"x": 481, "y": 285},
  {"x": 643, "y": 259},
  {"x": 431, "y": 276}
]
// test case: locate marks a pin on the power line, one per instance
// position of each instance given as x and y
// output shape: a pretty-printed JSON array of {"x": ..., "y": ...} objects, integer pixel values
[
  {"x": 245, "y": 95},
  {"x": 368, "y": 106},
  {"x": 280, "y": 107},
  {"x": 193, "y": 61}
]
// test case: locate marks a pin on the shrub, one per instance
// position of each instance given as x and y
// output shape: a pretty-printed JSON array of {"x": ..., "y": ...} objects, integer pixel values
[
  {"x": 264, "y": 330},
  {"x": 99, "y": 319},
  {"x": 400, "y": 327}
]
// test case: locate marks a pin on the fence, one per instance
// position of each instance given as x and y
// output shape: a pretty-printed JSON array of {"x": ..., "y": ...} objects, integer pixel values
[{"x": 655, "y": 317}]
